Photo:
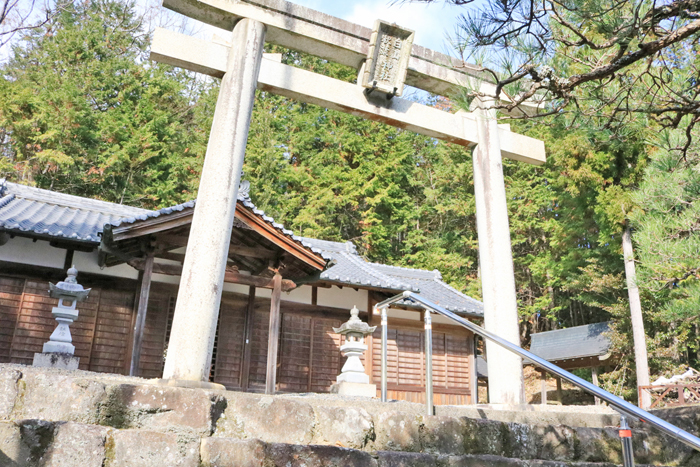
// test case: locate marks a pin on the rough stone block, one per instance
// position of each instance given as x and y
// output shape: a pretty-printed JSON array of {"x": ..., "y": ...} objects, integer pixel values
[
  {"x": 444, "y": 435},
  {"x": 521, "y": 441},
  {"x": 396, "y": 431},
  {"x": 485, "y": 460},
  {"x": 226, "y": 452},
  {"x": 290, "y": 455},
  {"x": 51, "y": 395},
  {"x": 37, "y": 435},
  {"x": 485, "y": 437},
  {"x": 343, "y": 426},
  {"x": 271, "y": 419},
  {"x": 77, "y": 444},
  {"x": 140, "y": 448},
  {"x": 61, "y": 361},
  {"x": 598, "y": 445},
  {"x": 405, "y": 459},
  {"x": 556, "y": 443},
  {"x": 14, "y": 451},
  {"x": 9, "y": 387},
  {"x": 161, "y": 408}
]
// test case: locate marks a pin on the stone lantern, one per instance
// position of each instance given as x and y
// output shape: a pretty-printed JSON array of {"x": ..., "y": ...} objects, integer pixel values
[
  {"x": 58, "y": 351},
  {"x": 353, "y": 381}
]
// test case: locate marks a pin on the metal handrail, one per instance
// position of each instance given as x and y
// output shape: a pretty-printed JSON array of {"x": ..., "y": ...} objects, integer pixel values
[{"x": 622, "y": 406}]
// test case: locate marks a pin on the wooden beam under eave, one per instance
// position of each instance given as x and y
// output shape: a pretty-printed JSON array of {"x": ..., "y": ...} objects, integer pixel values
[
  {"x": 240, "y": 250},
  {"x": 229, "y": 277}
]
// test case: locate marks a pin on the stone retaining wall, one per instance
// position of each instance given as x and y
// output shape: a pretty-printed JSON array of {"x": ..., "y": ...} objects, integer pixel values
[{"x": 50, "y": 417}]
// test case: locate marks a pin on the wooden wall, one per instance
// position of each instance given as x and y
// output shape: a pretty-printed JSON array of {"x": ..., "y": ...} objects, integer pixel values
[
  {"x": 309, "y": 358},
  {"x": 452, "y": 360},
  {"x": 100, "y": 335}
]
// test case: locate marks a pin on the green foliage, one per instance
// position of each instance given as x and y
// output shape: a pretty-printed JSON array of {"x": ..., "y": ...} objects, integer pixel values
[
  {"x": 81, "y": 111},
  {"x": 667, "y": 235}
]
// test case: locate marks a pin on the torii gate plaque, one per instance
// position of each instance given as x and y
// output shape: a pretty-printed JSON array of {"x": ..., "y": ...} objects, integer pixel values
[{"x": 242, "y": 69}]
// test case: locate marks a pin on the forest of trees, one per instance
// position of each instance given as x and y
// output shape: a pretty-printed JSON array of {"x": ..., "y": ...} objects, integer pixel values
[{"x": 83, "y": 111}]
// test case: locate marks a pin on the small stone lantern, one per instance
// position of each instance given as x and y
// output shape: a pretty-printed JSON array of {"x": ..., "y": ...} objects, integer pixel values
[
  {"x": 353, "y": 381},
  {"x": 58, "y": 351}
]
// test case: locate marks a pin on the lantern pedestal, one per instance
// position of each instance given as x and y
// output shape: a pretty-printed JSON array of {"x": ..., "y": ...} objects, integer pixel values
[
  {"x": 345, "y": 388},
  {"x": 353, "y": 381},
  {"x": 62, "y": 361}
]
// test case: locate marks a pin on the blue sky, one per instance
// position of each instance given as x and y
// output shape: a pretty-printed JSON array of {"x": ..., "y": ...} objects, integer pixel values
[{"x": 432, "y": 22}]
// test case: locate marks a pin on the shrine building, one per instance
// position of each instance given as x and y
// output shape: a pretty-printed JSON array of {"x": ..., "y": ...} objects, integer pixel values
[{"x": 132, "y": 258}]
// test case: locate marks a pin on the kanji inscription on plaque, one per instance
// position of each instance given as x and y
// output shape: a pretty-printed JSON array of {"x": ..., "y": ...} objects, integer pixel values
[{"x": 387, "y": 60}]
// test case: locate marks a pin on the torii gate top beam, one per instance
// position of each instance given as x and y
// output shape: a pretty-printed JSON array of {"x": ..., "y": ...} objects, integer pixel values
[
  {"x": 310, "y": 31},
  {"x": 340, "y": 41}
]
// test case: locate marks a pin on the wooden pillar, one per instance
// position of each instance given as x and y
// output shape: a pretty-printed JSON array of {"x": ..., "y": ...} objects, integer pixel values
[
  {"x": 560, "y": 396},
  {"x": 273, "y": 336},
  {"x": 473, "y": 378},
  {"x": 594, "y": 373},
  {"x": 543, "y": 384},
  {"x": 248, "y": 335},
  {"x": 144, "y": 292},
  {"x": 68, "y": 260}
]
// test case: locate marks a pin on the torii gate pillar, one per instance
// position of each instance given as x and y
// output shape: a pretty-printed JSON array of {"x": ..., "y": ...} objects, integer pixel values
[
  {"x": 197, "y": 308},
  {"x": 300, "y": 28},
  {"x": 506, "y": 384}
]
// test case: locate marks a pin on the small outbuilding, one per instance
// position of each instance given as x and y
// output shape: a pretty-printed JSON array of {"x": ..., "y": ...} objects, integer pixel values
[{"x": 573, "y": 348}]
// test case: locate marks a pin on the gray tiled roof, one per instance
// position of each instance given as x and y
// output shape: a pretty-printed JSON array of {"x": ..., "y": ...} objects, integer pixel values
[
  {"x": 49, "y": 213},
  {"x": 57, "y": 215},
  {"x": 351, "y": 269},
  {"x": 575, "y": 342},
  {"x": 52, "y": 214}
]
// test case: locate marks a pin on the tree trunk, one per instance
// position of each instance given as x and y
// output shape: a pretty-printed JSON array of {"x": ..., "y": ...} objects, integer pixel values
[{"x": 640, "y": 346}]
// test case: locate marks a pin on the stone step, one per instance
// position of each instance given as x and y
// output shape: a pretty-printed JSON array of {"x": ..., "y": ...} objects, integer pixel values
[
  {"x": 30, "y": 443},
  {"x": 128, "y": 405}
]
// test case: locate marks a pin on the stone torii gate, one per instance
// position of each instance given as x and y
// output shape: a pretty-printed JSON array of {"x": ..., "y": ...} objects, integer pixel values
[{"x": 383, "y": 57}]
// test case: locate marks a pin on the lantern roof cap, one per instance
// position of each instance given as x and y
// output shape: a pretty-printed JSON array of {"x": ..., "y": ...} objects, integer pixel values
[
  {"x": 355, "y": 324},
  {"x": 69, "y": 287}
]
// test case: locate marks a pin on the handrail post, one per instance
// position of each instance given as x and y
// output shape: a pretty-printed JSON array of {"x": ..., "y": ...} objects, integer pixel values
[
  {"x": 428, "y": 362},
  {"x": 384, "y": 357},
  {"x": 626, "y": 440}
]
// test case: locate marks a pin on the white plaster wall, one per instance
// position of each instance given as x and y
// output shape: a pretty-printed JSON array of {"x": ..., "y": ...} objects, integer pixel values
[
  {"x": 239, "y": 288},
  {"x": 402, "y": 314},
  {"x": 299, "y": 295},
  {"x": 346, "y": 298},
  {"x": 265, "y": 293},
  {"x": 439, "y": 319},
  {"x": 39, "y": 253},
  {"x": 87, "y": 262}
]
